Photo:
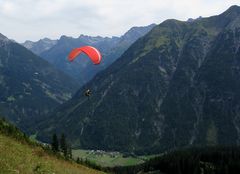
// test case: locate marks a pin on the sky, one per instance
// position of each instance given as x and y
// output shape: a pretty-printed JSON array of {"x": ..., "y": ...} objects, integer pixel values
[{"x": 36, "y": 19}]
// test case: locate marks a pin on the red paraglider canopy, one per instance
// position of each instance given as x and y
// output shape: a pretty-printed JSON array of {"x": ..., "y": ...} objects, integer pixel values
[{"x": 90, "y": 51}]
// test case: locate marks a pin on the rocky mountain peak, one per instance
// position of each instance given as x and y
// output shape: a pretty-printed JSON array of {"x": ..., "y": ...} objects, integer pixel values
[
  {"x": 232, "y": 12},
  {"x": 2, "y": 37},
  {"x": 135, "y": 32},
  {"x": 4, "y": 41}
]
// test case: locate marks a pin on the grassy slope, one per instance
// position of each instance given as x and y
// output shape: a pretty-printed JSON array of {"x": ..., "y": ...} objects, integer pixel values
[{"x": 16, "y": 157}]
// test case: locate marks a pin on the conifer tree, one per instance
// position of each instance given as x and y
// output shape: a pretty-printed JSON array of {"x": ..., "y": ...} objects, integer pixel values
[
  {"x": 78, "y": 160},
  {"x": 55, "y": 145},
  {"x": 63, "y": 145}
]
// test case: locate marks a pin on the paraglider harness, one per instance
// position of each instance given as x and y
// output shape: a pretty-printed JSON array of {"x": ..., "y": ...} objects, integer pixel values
[{"x": 88, "y": 93}]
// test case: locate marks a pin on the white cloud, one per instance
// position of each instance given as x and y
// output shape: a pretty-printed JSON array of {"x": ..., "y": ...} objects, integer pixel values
[{"x": 31, "y": 19}]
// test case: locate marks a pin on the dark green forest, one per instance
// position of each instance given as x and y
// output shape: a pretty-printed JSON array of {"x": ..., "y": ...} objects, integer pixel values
[{"x": 195, "y": 160}]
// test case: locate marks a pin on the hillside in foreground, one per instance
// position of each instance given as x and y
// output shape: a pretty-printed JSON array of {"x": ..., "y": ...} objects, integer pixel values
[{"x": 18, "y": 156}]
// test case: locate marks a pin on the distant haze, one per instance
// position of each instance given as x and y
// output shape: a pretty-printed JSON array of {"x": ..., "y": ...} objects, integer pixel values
[{"x": 31, "y": 20}]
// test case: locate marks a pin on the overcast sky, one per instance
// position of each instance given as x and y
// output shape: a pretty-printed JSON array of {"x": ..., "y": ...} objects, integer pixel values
[{"x": 35, "y": 19}]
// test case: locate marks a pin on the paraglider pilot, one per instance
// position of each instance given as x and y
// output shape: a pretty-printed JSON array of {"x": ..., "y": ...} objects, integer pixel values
[{"x": 88, "y": 93}]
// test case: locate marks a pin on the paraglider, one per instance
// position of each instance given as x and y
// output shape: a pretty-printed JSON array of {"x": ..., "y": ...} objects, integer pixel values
[{"x": 92, "y": 53}]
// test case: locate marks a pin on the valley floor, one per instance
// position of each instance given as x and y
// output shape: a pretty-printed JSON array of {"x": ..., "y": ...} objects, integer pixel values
[{"x": 109, "y": 159}]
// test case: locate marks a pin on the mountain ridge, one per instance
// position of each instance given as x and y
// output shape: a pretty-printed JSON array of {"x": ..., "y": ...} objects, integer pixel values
[
  {"x": 39, "y": 46},
  {"x": 30, "y": 86}
]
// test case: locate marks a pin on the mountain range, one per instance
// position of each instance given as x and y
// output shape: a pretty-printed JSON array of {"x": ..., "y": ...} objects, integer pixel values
[
  {"x": 56, "y": 51},
  {"x": 176, "y": 86}
]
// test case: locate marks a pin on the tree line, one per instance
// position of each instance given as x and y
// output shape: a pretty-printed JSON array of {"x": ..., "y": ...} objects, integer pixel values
[
  {"x": 60, "y": 145},
  {"x": 195, "y": 160}
]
